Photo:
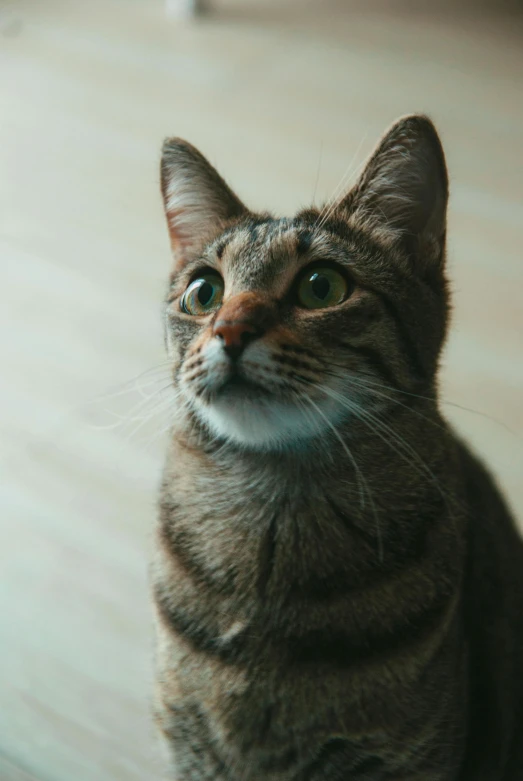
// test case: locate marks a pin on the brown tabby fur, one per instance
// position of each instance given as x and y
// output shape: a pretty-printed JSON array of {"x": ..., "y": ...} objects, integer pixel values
[{"x": 347, "y": 603}]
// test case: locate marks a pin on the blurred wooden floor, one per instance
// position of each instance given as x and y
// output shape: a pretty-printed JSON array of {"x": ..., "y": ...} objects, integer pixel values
[{"x": 273, "y": 93}]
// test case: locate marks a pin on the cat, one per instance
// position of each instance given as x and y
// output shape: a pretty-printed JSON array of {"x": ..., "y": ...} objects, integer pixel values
[{"x": 338, "y": 582}]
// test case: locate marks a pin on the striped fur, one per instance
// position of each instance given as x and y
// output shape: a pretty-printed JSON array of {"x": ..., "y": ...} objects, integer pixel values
[{"x": 337, "y": 581}]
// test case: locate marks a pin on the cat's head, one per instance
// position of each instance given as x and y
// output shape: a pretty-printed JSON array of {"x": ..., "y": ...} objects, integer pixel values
[{"x": 279, "y": 329}]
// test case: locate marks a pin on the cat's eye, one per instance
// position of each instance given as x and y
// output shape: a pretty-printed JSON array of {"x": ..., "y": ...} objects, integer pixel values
[
  {"x": 322, "y": 286},
  {"x": 204, "y": 294}
]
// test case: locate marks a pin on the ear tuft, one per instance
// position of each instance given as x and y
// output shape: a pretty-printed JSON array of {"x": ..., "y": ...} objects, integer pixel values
[
  {"x": 198, "y": 203},
  {"x": 403, "y": 190}
]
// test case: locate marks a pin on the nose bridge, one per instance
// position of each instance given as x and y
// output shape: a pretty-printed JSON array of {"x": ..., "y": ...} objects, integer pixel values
[{"x": 248, "y": 308}]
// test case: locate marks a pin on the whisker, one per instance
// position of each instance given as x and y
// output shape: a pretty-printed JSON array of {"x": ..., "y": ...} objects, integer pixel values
[
  {"x": 165, "y": 429},
  {"x": 441, "y": 400},
  {"x": 318, "y": 173},
  {"x": 133, "y": 413},
  {"x": 377, "y": 425},
  {"x": 340, "y": 197},
  {"x": 364, "y": 413},
  {"x": 161, "y": 407},
  {"x": 361, "y": 479},
  {"x": 340, "y": 187},
  {"x": 360, "y": 382},
  {"x": 128, "y": 386}
]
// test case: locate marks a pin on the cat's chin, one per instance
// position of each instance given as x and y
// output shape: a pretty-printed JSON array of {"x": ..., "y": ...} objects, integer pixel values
[{"x": 265, "y": 422}]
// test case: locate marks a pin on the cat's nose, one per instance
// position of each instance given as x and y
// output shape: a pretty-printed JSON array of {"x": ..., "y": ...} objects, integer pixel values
[{"x": 235, "y": 335}]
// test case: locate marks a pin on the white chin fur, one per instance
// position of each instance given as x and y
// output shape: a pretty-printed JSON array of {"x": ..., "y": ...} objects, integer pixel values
[{"x": 267, "y": 423}]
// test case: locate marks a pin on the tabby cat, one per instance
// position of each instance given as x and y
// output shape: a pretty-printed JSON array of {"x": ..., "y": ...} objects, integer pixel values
[{"x": 338, "y": 582}]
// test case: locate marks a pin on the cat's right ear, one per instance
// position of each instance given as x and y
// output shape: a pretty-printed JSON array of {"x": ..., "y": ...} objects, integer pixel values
[
  {"x": 198, "y": 203},
  {"x": 403, "y": 190}
]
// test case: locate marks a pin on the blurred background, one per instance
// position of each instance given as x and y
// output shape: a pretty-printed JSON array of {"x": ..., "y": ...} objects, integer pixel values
[{"x": 285, "y": 97}]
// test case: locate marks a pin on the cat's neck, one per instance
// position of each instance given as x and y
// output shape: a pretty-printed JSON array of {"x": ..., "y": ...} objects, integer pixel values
[{"x": 365, "y": 472}]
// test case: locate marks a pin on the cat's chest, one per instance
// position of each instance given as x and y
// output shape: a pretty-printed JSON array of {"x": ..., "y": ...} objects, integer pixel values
[
  {"x": 253, "y": 544},
  {"x": 228, "y": 522}
]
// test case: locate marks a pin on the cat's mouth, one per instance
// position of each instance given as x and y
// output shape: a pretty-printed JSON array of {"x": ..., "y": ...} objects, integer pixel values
[
  {"x": 239, "y": 386},
  {"x": 254, "y": 407}
]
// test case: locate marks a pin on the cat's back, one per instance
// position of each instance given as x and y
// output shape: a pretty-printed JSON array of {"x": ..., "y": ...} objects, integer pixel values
[{"x": 493, "y": 602}]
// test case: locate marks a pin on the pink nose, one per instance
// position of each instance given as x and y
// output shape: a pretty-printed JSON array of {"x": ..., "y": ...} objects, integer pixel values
[{"x": 235, "y": 335}]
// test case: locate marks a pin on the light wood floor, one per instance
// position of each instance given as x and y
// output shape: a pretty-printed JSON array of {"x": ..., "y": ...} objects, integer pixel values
[{"x": 278, "y": 95}]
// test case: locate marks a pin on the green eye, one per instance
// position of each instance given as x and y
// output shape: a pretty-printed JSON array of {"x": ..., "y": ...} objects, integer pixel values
[
  {"x": 322, "y": 286},
  {"x": 203, "y": 295}
]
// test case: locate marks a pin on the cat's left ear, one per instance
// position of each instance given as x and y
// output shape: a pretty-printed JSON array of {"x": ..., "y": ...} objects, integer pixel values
[
  {"x": 403, "y": 191},
  {"x": 198, "y": 203}
]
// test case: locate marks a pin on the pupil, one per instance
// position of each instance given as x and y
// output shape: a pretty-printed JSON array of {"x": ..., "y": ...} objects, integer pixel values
[
  {"x": 320, "y": 286},
  {"x": 205, "y": 293}
]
